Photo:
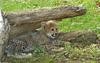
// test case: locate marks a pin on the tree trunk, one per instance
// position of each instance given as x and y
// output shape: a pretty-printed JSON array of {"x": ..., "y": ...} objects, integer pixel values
[
  {"x": 4, "y": 30},
  {"x": 25, "y": 21}
]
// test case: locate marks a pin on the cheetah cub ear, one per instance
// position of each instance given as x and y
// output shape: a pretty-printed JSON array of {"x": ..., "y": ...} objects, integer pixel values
[{"x": 43, "y": 24}]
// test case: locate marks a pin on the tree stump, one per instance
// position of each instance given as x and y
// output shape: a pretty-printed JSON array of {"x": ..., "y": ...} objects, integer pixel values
[{"x": 4, "y": 33}]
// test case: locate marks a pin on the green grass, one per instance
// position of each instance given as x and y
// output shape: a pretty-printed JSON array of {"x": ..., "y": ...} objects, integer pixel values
[{"x": 91, "y": 20}]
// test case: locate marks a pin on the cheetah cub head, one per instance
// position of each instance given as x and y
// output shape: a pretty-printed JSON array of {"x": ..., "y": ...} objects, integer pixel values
[{"x": 50, "y": 29}]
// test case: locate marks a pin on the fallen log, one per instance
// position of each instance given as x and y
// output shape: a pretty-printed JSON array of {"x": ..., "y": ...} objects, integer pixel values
[
  {"x": 44, "y": 14},
  {"x": 79, "y": 36},
  {"x": 25, "y": 21}
]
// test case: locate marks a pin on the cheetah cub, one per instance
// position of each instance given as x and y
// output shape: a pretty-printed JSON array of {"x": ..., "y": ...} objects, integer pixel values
[{"x": 24, "y": 43}]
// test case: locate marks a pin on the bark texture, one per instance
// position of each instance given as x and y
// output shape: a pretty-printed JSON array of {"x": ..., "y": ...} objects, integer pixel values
[
  {"x": 79, "y": 36},
  {"x": 4, "y": 33}
]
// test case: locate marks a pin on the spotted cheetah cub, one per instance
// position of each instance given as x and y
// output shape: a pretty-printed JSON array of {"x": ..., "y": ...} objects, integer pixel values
[{"x": 24, "y": 43}]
